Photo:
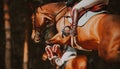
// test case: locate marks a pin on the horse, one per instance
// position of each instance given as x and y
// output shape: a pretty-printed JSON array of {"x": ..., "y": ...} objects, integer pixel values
[
  {"x": 101, "y": 32},
  {"x": 48, "y": 32}
]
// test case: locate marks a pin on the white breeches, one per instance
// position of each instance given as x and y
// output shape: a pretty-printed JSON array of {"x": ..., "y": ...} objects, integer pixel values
[{"x": 89, "y": 3}]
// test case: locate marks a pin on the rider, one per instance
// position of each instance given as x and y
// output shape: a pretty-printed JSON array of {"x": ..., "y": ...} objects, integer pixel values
[{"x": 84, "y": 5}]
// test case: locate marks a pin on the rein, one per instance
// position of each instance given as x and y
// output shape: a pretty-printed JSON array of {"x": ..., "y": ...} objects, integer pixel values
[{"x": 61, "y": 11}]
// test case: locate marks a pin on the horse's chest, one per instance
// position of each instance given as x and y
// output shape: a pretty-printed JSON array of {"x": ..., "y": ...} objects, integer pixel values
[
  {"x": 88, "y": 39},
  {"x": 88, "y": 42},
  {"x": 84, "y": 35}
]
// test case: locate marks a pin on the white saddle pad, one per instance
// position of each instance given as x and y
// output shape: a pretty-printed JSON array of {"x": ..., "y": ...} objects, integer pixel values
[{"x": 85, "y": 17}]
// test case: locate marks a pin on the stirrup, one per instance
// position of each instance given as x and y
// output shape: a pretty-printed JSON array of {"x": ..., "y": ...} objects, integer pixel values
[{"x": 66, "y": 31}]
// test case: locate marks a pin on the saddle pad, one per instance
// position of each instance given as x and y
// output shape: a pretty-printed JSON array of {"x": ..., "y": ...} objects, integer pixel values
[{"x": 85, "y": 17}]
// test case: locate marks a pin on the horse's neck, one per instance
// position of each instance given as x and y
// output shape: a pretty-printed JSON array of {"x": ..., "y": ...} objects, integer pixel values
[
  {"x": 52, "y": 8},
  {"x": 62, "y": 13}
]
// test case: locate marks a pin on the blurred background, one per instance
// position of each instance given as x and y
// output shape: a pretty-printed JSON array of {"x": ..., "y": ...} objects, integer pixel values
[{"x": 17, "y": 50}]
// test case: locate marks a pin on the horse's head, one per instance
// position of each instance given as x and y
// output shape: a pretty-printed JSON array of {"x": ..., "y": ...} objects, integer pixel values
[
  {"x": 42, "y": 22},
  {"x": 44, "y": 18}
]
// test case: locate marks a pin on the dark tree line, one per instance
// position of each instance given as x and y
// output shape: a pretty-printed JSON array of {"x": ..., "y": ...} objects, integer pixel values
[{"x": 2, "y": 37}]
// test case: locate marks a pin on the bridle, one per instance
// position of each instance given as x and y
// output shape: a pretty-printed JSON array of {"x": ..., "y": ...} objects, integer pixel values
[{"x": 50, "y": 23}]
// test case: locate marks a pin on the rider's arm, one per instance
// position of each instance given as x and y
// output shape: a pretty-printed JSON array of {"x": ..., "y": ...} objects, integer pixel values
[{"x": 88, "y": 4}]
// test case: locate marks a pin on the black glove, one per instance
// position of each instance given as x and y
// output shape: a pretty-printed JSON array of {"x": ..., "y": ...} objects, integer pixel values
[{"x": 70, "y": 3}]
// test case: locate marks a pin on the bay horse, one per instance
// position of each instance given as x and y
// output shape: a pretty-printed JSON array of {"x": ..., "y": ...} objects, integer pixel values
[
  {"x": 101, "y": 32},
  {"x": 50, "y": 31}
]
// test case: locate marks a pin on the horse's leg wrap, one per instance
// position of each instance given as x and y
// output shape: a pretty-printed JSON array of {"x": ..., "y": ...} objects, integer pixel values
[
  {"x": 54, "y": 59},
  {"x": 49, "y": 52}
]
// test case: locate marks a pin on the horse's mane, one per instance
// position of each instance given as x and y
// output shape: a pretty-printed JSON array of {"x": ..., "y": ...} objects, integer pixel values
[
  {"x": 48, "y": 9},
  {"x": 61, "y": 3},
  {"x": 53, "y": 3}
]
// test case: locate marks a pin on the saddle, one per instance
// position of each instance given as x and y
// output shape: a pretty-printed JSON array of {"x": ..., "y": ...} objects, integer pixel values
[{"x": 84, "y": 16}]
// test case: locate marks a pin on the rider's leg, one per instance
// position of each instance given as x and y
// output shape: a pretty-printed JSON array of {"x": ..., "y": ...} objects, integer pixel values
[
  {"x": 81, "y": 6},
  {"x": 89, "y": 3},
  {"x": 74, "y": 21}
]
